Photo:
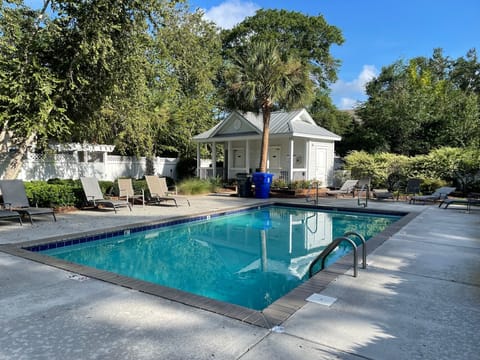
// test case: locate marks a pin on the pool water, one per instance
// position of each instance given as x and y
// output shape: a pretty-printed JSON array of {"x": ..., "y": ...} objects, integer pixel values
[{"x": 248, "y": 258}]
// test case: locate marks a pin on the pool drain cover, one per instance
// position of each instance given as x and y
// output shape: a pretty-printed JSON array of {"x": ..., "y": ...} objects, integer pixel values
[{"x": 321, "y": 299}]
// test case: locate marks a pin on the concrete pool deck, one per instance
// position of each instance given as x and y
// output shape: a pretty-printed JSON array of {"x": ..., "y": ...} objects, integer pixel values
[{"x": 418, "y": 298}]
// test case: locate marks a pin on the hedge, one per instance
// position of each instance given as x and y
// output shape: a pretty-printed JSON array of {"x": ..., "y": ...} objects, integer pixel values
[{"x": 444, "y": 166}]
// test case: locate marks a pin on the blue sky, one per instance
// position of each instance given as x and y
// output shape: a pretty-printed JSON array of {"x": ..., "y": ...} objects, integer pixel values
[{"x": 377, "y": 32}]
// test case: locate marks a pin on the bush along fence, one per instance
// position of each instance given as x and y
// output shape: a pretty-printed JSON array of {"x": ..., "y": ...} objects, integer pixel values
[{"x": 452, "y": 166}]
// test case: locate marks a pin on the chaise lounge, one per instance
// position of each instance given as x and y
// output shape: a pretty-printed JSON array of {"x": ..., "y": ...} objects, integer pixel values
[
  {"x": 94, "y": 195},
  {"x": 7, "y": 214},
  {"x": 126, "y": 191},
  {"x": 159, "y": 190},
  {"x": 472, "y": 199},
  {"x": 15, "y": 199},
  {"x": 439, "y": 194},
  {"x": 348, "y": 187}
]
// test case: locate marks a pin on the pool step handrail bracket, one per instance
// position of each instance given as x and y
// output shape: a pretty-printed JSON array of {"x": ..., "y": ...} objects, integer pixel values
[
  {"x": 312, "y": 185},
  {"x": 332, "y": 246},
  {"x": 364, "y": 248}
]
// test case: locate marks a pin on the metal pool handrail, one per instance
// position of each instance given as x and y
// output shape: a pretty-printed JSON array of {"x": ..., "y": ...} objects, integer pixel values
[
  {"x": 333, "y": 245},
  {"x": 364, "y": 249}
]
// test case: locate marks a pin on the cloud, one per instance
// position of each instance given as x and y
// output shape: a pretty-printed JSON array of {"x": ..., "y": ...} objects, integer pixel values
[
  {"x": 346, "y": 94},
  {"x": 231, "y": 12}
]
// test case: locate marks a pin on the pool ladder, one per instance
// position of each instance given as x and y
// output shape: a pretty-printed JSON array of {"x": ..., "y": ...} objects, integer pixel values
[
  {"x": 366, "y": 189},
  {"x": 315, "y": 199},
  {"x": 334, "y": 244}
]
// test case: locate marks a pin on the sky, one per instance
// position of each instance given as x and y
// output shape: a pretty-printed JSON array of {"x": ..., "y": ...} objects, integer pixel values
[{"x": 377, "y": 32}]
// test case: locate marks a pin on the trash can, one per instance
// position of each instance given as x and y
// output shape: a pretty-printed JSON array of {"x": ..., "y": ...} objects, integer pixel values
[
  {"x": 263, "y": 182},
  {"x": 244, "y": 185}
]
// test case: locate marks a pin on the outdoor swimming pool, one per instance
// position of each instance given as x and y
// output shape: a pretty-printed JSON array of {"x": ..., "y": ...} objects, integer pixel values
[{"x": 250, "y": 258}]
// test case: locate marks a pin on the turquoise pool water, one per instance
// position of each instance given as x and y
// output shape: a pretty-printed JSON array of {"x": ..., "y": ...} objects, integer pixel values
[{"x": 250, "y": 258}]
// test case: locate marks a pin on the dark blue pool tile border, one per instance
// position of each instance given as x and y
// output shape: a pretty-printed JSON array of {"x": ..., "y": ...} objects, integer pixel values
[{"x": 275, "y": 314}]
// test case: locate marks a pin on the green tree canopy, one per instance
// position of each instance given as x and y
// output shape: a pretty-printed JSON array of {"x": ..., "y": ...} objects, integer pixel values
[
  {"x": 307, "y": 38},
  {"x": 419, "y": 105}
]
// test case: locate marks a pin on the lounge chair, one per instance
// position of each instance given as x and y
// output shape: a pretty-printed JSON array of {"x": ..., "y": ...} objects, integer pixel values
[
  {"x": 472, "y": 199},
  {"x": 159, "y": 190},
  {"x": 439, "y": 194},
  {"x": 348, "y": 187},
  {"x": 94, "y": 195},
  {"x": 382, "y": 194},
  {"x": 8, "y": 214},
  {"x": 126, "y": 192},
  {"x": 15, "y": 199}
]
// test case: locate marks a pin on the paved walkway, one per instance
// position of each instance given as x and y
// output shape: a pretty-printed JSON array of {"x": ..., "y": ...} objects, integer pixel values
[{"x": 419, "y": 298}]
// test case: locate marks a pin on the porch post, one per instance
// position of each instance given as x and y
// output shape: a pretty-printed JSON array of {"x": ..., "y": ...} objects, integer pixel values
[
  {"x": 198, "y": 160},
  {"x": 290, "y": 172},
  {"x": 247, "y": 155},
  {"x": 229, "y": 147},
  {"x": 307, "y": 159},
  {"x": 214, "y": 159}
]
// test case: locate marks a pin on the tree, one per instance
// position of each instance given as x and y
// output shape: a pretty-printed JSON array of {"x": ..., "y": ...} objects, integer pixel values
[
  {"x": 187, "y": 57},
  {"x": 307, "y": 38},
  {"x": 419, "y": 105},
  {"x": 263, "y": 79},
  {"x": 325, "y": 114},
  {"x": 30, "y": 105}
]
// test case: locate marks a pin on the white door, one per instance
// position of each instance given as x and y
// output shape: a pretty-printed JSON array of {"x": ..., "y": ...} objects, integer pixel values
[
  {"x": 274, "y": 157},
  {"x": 319, "y": 165},
  {"x": 238, "y": 158}
]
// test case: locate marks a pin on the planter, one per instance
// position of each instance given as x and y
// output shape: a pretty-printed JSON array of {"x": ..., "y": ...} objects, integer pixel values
[{"x": 263, "y": 182}]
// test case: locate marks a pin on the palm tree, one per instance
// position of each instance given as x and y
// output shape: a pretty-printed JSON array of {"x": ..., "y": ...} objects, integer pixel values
[{"x": 264, "y": 79}]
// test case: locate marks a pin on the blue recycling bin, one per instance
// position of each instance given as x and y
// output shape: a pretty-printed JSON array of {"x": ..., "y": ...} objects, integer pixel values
[{"x": 263, "y": 182}]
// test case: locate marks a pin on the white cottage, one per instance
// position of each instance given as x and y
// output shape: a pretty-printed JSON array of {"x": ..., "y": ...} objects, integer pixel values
[{"x": 299, "y": 149}]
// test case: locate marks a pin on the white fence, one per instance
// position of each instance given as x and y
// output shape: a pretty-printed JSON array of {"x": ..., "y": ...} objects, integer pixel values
[{"x": 103, "y": 167}]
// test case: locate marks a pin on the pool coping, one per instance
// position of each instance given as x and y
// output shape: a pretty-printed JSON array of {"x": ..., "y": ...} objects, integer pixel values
[{"x": 274, "y": 315}]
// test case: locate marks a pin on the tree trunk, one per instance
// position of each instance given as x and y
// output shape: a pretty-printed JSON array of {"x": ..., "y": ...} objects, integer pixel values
[
  {"x": 16, "y": 162},
  {"x": 4, "y": 138},
  {"x": 265, "y": 138}
]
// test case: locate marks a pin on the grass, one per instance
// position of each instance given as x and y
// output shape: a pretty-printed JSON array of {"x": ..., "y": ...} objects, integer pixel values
[{"x": 197, "y": 186}]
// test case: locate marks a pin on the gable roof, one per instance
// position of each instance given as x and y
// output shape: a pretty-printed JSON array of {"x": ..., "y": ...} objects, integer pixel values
[{"x": 297, "y": 123}]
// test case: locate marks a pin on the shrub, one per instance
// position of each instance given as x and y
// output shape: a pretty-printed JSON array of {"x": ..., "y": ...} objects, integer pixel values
[
  {"x": 43, "y": 194},
  {"x": 454, "y": 166},
  {"x": 195, "y": 186},
  {"x": 300, "y": 184}
]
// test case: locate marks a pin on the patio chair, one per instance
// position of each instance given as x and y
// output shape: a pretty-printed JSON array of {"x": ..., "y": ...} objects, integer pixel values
[
  {"x": 15, "y": 199},
  {"x": 8, "y": 214},
  {"x": 126, "y": 192},
  {"x": 159, "y": 191},
  {"x": 94, "y": 195},
  {"x": 439, "y": 194},
  {"x": 348, "y": 187},
  {"x": 412, "y": 187}
]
